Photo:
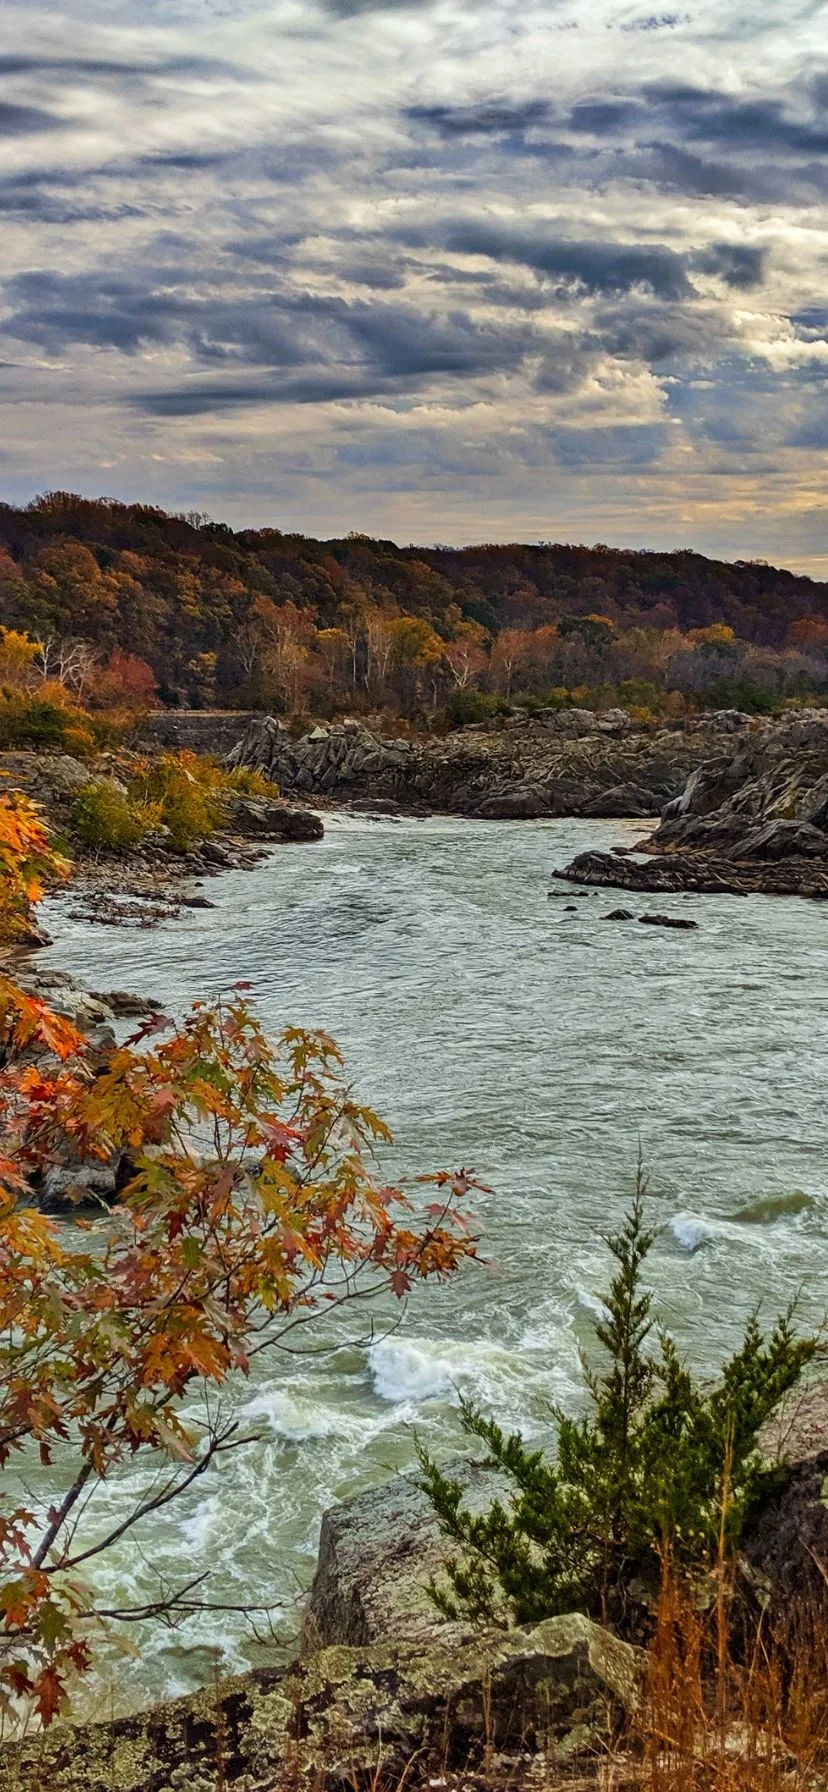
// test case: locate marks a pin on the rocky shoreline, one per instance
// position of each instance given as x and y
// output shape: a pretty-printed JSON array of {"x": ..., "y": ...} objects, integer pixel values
[
  {"x": 557, "y": 763},
  {"x": 153, "y": 880},
  {"x": 751, "y": 820},
  {"x": 743, "y": 801}
]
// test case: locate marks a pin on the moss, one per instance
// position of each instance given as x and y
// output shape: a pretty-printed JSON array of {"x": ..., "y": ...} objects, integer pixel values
[{"x": 343, "y": 1713}]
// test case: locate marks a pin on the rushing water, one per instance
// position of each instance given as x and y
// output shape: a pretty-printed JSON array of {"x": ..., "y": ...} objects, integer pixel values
[{"x": 494, "y": 1027}]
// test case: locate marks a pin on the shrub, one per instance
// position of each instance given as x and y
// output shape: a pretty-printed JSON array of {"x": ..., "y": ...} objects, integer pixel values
[
  {"x": 106, "y": 820},
  {"x": 658, "y": 1466},
  {"x": 740, "y": 693},
  {"x": 188, "y": 793},
  {"x": 43, "y": 722},
  {"x": 472, "y": 705},
  {"x": 250, "y": 782}
]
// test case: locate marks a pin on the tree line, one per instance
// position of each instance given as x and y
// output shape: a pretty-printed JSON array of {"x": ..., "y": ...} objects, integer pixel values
[{"x": 130, "y": 605}]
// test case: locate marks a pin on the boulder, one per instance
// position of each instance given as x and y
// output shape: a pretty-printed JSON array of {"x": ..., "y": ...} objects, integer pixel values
[
  {"x": 622, "y": 800},
  {"x": 65, "y": 777},
  {"x": 375, "y": 806},
  {"x": 124, "y": 1004},
  {"x": 614, "y": 721},
  {"x": 783, "y": 840},
  {"x": 352, "y": 1717},
  {"x": 729, "y": 720},
  {"x": 377, "y": 1554},
  {"x": 680, "y": 921},
  {"x": 524, "y": 803},
  {"x": 266, "y": 818},
  {"x": 786, "y": 1546},
  {"x": 65, "y": 1190},
  {"x": 577, "y": 721}
]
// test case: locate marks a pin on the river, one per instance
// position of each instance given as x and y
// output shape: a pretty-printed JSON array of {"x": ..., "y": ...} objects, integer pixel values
[{"x": 497, "y": 1027}]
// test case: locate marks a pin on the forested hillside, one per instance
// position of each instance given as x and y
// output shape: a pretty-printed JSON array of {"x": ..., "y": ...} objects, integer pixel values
[{"x": 258, "y": 617}]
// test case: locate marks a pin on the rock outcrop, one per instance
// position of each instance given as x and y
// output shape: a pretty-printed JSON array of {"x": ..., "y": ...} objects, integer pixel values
[
  {"x": 559, "y": 762},
  {"x": 394, "y": 1691},
  {"x": 754, "y": 818},
  {"x": 349, "y": 1717},
  {"x": 786, "y": 1550}
]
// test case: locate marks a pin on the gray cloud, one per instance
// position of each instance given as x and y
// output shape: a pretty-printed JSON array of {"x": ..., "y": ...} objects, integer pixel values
[
  {"x": 24, "y": 121},
  {"x": 118, "y": 68},
  {"x": 494, "y": 118},
  {"x": 596, "y": 266},
  {"x": 740, "y": 265},
  {"x": 717, "y": 118},
  {"x": 339, "y": 344}
]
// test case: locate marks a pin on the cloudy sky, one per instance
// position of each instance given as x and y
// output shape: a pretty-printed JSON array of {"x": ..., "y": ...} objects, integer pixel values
[{"x": 443, "y": 270}]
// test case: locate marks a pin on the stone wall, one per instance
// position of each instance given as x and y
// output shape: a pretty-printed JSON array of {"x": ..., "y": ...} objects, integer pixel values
[{"x": 215, "y": 731}]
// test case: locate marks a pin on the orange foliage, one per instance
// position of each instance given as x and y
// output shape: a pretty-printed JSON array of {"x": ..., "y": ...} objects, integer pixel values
[
  {"x": 125, "y": 682},
  {"x": 211, "y": 1257}
]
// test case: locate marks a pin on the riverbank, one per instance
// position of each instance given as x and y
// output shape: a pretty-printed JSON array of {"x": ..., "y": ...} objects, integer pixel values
[
  {"x": 386, "y": 1692},
  {"x": 156, "y": 875},
  {"x": 753, "y": 819}
]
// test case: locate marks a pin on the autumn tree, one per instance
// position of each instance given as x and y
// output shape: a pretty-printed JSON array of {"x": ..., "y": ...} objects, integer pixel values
[
  {"x": 68, "y": 662},
  {"x": 124, "y": 682},
  {"x": 508, "y": 657},
  {"x": 249, "y": 1209},
  {"x": 20, "y": 660},
  {"x": 465, "y": 654}
]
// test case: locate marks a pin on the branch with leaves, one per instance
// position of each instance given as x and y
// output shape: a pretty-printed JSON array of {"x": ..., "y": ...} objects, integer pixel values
[{"x": 251, "y": 1208}]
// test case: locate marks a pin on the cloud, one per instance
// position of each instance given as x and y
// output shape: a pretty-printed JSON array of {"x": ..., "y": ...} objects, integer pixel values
[
  {"x": 665, "y": 21},
  {"x": 718, "y": 118},
  {"x": 597, "y": 267},
  {"x": 200, "y": 398},
  {"x": 344, "y": 347},
  {"x": 118, "y": 68},
  {"x": 488, "y": 119},
  {"x": 740, "y": 265},
  {"x": 352, "y": 9},
  {"x": 486, "y": 253},
  {"x": 637, "y": 445},
  {"x": 24, "y": 121}
]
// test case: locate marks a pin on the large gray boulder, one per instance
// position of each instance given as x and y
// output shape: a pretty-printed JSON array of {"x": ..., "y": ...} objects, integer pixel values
[
  {"x": 525, "y": 802},
  {"x": 377, "y": 1554},
  {"x": 266, "y": 818},
  {"x": 786, "y": 1548}
]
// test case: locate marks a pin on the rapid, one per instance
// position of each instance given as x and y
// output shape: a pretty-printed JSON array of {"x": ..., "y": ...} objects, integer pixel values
[{"x": 518, "y": 1033}]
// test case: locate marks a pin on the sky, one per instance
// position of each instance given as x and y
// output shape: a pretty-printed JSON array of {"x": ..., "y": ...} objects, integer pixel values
[{"x": 441, "y": 271}]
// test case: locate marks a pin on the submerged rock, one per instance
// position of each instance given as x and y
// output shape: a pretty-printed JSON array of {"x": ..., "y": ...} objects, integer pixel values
[{"x": 679, "y": 921}]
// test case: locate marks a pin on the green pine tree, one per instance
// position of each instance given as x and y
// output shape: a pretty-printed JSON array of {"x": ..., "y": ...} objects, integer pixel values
[{"x": 650, "y": 1468}]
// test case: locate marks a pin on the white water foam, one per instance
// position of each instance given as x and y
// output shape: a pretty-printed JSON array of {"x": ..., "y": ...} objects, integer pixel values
[
  {"x": 690, "y": 1232},
  {"x": 406, "y": 1370}
]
